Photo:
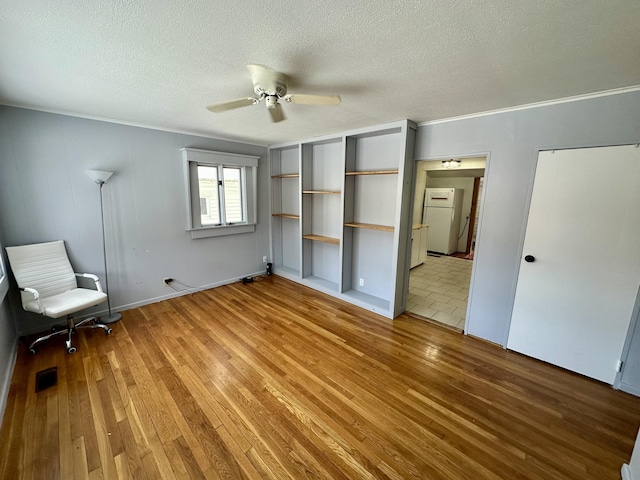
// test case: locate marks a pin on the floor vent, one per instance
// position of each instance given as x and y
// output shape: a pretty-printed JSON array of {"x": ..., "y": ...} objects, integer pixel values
[{"x": 46, "y": 378}]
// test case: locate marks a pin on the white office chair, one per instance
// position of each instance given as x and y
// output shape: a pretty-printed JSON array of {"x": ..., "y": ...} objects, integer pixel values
[{"x": 48, "y": 286}]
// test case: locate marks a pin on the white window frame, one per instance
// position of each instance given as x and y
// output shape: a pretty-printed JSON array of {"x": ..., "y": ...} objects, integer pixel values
[
  {"x": 4, "y": 278},
  {"x": 192, "y": 158}
]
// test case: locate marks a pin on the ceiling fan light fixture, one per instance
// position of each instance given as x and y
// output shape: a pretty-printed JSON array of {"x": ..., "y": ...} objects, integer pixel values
[
  {"x": 272, "y": 86},
  {"x": 271, "y": 101}
]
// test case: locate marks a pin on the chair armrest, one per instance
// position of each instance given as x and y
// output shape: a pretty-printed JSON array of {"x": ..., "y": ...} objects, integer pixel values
[
  {"x": 36, "y": 296},
  {"x": 92, "y": 277}
]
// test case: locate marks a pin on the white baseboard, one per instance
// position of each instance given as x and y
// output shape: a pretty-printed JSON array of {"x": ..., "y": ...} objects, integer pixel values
[
  {"x": 630, "y": 389},
  {"x": 626, "y": 472},
  {"x": 6, "y": 381},
  {"x": 187, "y": 291},
  {"x": 50, "y": 322}
]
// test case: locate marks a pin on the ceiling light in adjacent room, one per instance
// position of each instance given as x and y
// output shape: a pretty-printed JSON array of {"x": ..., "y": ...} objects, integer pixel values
[{"x": 451, "y": 163}]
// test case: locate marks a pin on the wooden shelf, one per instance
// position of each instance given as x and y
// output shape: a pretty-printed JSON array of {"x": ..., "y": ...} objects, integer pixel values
[
  {"x": 286, "y": 175},
  {"x": 370, "y": 226},
  {"x": 374, "y": 172},
  {"x": 286, "y": 215},
  {"x": 321, "y": 192},
  {"x": 320, "y": 238}
]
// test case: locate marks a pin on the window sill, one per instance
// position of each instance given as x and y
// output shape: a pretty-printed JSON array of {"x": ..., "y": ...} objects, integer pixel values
[{"x": 219, "y": 231}]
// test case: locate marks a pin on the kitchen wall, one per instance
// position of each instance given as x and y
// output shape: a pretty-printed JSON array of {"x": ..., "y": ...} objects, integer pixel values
[
  {"x": 45, "y": 194},
  {"x": 512, "y": 141},
  {"x": 418, "y": 198}
]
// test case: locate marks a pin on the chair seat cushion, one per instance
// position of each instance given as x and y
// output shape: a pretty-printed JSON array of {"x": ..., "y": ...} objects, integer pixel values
[{"x": 67, "y": 302}]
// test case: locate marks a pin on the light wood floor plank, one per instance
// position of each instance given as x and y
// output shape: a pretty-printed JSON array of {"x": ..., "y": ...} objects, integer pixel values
[
  {"x": 65, "y": 454},
  {"x": 80, "y": 469},
  {"x": 273, "y": 380}
]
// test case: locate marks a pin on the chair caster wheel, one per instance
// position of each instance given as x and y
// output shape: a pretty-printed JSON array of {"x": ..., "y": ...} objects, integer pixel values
[
  {"x": 71, "y": 350},
  {"x": 109, "y": 331},
  {"x": 32, "y": 351}
]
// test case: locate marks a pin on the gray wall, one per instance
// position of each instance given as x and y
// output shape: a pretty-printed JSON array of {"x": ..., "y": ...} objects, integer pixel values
[
  {"x": 512, "y": 141},
  {"x": 45, "y": 194}
]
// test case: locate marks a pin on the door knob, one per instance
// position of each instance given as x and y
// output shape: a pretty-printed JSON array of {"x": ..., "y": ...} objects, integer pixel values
[{"x": 529, "y": 259}]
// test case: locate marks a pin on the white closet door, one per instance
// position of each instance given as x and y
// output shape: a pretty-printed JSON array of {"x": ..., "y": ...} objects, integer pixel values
[{"x": 574, "y": 302}]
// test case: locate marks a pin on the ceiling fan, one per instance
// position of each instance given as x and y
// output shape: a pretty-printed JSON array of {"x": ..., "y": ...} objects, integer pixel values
[{"x": 271, "y": 86}]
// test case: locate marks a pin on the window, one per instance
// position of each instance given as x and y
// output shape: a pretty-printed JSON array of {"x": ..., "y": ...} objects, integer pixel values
[
  {"x": 221, "y": 191},
  {"x": 233, "y": 208}
]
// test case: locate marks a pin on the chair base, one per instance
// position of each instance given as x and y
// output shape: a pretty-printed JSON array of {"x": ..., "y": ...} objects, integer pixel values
[{"x": 91, "y": 322}]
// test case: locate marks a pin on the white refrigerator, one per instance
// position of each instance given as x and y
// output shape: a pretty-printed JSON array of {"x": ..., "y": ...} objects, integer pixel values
[{"x": 442, "y": 211}]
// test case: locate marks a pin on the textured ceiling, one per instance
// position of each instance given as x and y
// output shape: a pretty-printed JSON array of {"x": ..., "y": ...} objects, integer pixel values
[{"x": 160, "y": 62}]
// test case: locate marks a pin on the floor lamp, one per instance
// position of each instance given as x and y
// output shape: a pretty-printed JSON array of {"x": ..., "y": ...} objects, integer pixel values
[{"x": 101, "y": 178}]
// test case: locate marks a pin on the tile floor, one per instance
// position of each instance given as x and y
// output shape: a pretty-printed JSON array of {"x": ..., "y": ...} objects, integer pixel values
[{"x": 439, "y": 289}]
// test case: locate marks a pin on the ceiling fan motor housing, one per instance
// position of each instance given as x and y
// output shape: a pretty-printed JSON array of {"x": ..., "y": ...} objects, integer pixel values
[{"x": 273, "y": 84}]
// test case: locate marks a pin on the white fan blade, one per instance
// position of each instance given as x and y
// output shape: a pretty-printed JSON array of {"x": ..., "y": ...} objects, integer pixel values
[
  {"x": 277, "y": 115},
  {"x": 241, "y": 102},
  {"x": 313, "y": 99}
]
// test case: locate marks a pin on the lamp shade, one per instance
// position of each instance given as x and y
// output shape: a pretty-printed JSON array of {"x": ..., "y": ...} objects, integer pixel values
[{"x": 99, "y": 176}]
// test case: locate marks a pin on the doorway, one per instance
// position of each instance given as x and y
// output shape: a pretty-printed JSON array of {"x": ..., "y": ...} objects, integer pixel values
[{"x": 439, "y": 281}]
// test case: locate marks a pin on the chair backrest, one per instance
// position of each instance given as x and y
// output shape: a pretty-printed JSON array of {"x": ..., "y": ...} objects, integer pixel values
[{"x": 43, "y": 266}]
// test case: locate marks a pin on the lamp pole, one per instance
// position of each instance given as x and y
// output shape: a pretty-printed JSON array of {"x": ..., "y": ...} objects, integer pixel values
[{"x": 100, "y": 178}]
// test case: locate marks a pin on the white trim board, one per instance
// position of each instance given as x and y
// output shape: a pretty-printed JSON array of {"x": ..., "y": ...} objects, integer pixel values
[
  {"x": 528, "y": 106},
  {"x": 42, "y": 327},
  {"x": 545, "y": 103},
  {"x": 6, "y": 382},
  {"x": 137, "y": 125}
]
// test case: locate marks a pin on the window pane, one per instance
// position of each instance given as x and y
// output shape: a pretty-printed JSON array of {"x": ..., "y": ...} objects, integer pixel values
[
  {"x": 232, "y": 195},
  {"x": 208, "y": 185}
]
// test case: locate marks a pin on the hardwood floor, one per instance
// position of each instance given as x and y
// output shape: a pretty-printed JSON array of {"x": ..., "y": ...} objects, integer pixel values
[{"x": 273, "y": 380}]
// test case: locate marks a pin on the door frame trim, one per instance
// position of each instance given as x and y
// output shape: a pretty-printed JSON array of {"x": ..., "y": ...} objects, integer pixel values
[
  {"x": 634, "y": 327},
  {"x": 487, "y": 155}
]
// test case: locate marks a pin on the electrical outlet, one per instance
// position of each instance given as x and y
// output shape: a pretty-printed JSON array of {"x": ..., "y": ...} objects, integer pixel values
[
  {"x": 264, "y": 259},
  {"x": 361, "y": 283},
  {"x": 166, "y": 281}
]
